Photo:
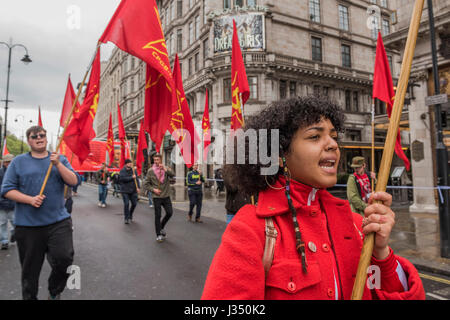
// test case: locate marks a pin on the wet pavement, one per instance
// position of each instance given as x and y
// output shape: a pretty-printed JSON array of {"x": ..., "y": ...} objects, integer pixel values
[{"x": 415, "y": 235}]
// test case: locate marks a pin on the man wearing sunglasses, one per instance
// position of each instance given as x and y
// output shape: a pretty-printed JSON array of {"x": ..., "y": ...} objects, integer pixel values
[{"x": 43, "y": 225}]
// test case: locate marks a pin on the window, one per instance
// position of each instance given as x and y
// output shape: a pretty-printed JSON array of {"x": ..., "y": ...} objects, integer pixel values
[
  {"x": 282, "y": 89},
  {"x": 179, "y": 40},
  {"x": 179, "y": 8},
  {"x": 197, "y": 27},
  {"x": 316, "y": 90},
  {"x": 239, "y": 3},
  {"x": 227, "y": 90},
  {"x": 353, "y": 135},
  {"x": 132, "y": 84},
  {"x": 172, "y": 11},
  {"x": 346, "y": 56},
  {"x": 191, "y": 33},
  {"x": 226, "y": 4},
  {"x": 190, "y": 66},
  {"x": 292, "y": 89},
  {"x": 385, "y": 28},
  {"x": 314, "y": 10},
  {"x": 196, "y": 62},
  {"x": 348, "y": 101},
  {"x": 373, "y": 1},
  {"x": 375, "y": 27},
  {"x": 383, "y": 3},
  {"x": 316, "y": 46},
  {"x": 355, "y": 105},
  {"x": 253, "y": 84},
  {"x": 172, "y": 43},
  {"x": 251, "y": 3},
  {"x": 343, "y": 17},
  {"x": 205, "y": 48}
]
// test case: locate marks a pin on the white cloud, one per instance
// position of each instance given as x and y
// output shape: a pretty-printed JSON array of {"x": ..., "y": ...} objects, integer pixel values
[{"x": 57, "y": 48}]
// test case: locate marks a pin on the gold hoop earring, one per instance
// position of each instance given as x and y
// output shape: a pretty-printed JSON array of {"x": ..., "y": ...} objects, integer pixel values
[{"x": 270, "y": 186}]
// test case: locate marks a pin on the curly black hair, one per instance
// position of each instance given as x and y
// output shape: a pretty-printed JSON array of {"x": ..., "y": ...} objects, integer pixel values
[{"x": 288, "y": 116}]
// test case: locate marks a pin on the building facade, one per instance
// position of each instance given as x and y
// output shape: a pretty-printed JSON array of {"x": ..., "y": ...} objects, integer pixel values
[
  {"x": 419, "y": 118},
  {"x": 290, "y": 48}
]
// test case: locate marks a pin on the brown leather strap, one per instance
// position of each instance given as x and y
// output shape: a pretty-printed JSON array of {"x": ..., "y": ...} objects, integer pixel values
[{"x": 269, "y": 248}]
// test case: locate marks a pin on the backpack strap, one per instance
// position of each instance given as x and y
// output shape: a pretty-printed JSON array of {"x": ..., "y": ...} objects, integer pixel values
[{"x": 269, "y": 248}]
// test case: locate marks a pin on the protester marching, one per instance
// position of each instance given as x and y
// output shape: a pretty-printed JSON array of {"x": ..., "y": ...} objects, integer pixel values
[{"x": 278, "y": 160}]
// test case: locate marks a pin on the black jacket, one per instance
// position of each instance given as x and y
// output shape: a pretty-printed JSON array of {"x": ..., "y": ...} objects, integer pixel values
[
  {"x": 234, "y": 198},
  {"x": 5, "y": 204},
  {"x": 127, "y": 184}
]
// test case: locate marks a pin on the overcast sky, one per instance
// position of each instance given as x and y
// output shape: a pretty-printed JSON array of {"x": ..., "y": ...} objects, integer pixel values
[{"x": 60, "y": 36}]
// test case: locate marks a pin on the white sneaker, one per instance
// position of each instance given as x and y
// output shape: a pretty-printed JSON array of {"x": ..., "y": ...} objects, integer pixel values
[
  {"x": 99, "y": 204},
  {"x": 160, "y": 238},
  {"x": 103, "y": 205}
]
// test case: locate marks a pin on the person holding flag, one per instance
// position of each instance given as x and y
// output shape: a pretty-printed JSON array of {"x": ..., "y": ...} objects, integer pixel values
[
  {"x": 157, "y": 182},
  {"x": 43, "y": 225},
  {"x": 129, "y": 187}
]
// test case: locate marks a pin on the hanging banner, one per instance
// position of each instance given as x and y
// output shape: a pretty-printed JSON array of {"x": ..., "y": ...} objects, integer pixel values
[
  {"x": 98, "y": 155},
  {"x": 250, "y": 30}
]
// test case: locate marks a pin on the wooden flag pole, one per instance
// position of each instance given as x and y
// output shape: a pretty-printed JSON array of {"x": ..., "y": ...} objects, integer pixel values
[
  {"x": 68, "y": 119},
  {"x": 389, "y": 145},
  {"x": 372, "y": 166}
]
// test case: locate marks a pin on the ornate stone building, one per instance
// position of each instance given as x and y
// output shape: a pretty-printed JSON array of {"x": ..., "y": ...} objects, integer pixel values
[
  {"x": 290, "y": 48},
  {"x": 418, "y": 118}
]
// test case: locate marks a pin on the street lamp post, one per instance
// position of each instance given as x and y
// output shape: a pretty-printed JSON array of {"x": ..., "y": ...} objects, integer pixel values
[{"x": 26, "y": 59}]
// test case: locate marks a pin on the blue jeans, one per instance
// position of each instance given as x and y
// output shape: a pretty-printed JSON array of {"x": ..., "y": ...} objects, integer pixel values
[
  {"x": 229, "y": 217},
  {"x": 6, "y": 215},
  {"x": 127, "y": 209},
  {"x": 150, "y": 198},
  {"x": 102, "y": 193}
]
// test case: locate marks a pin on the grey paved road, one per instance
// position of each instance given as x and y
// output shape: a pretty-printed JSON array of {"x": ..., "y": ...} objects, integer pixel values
[{"x": 119, "y": 261}]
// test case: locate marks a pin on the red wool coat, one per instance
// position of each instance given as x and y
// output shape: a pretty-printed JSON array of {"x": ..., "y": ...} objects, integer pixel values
[{"x": 333, "y": 242}]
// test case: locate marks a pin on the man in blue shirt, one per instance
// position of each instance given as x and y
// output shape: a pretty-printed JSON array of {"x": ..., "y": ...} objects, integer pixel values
[{"x": 43, "y": 225}]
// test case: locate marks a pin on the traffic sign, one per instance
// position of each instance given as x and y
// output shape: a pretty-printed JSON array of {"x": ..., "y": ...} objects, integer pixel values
[{"x": 437, "y": 99}]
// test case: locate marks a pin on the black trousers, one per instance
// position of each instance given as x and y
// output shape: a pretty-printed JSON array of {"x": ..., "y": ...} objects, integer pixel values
[
  {"x": 167, "y": 204},
  {"x": 127, "y": 209},
  {"x": 195, "y": 199},
  {"x": 34, "y": 243}
]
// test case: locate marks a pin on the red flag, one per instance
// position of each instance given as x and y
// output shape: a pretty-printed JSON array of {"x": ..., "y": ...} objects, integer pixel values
[
  {"x": 142, "y": 145},
  {"x": 110, "y": 141},
  {"x": 383, "y": 89},
  {"x": 181, "y": 124},
  {"x": 68, "y": 103},
  {"x": 158, "y": 106},
  {"x": 122, "y": 136},
  {"x": 239, "y": 83},
  {"x": 136, "y": 28},
  {"x": 40, "y": 119},
  {"x": 206, "y": 127},
  {"x": 80, "y": 130},
  {"x": 5, "y": 149}
]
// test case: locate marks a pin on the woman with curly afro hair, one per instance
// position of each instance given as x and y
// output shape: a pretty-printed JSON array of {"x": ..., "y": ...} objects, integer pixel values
[{"x": 298, "y": 241}]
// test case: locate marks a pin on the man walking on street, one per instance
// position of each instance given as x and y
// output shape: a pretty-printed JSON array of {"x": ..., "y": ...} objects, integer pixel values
[
  {"x": 359, "y": 186},
  {"x": 6, "y": 208},
  {"x": 194, "y": 181},
  {"x": 43, "y": 226},
  {"x": 157, "y": 182},
  {"x": 130, "y": 191},
  {"x": 102, "y": 176}
]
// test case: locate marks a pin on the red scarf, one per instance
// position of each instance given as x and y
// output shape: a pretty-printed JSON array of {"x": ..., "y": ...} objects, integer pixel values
[
  {"x": 159, "y": 172},
  {"x": 365, "y": 189}
]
